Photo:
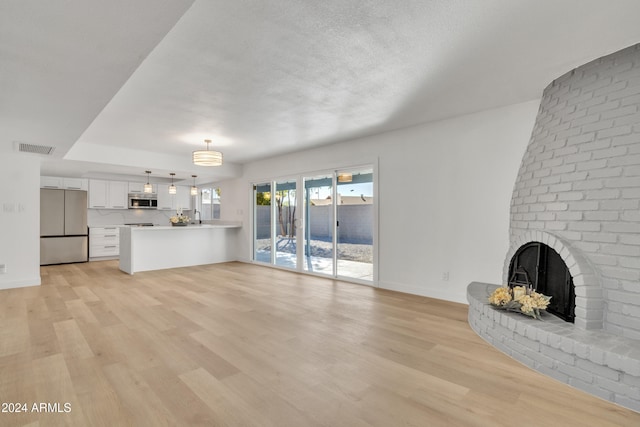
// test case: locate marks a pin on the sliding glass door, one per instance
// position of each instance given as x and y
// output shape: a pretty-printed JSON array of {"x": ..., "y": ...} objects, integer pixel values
[
  {"x": 284, "y": 226},
  {"x": 354, "y": 224},
  {"x": 319, "y": 223},
  {"x": 262, "y": 240}
]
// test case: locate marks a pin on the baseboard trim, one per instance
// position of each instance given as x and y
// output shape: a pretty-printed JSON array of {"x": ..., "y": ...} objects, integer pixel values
[
  {"x": 25, "y": 283},
  {"x": 459, "y": 297}
]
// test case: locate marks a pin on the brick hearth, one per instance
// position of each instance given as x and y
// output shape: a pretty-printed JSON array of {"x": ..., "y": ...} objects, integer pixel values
[{"x": 598, "y": 362}]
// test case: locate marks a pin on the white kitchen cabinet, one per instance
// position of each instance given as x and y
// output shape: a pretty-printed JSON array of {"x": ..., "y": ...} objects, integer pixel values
[
  {"x": 171, "y": 202},
  {"x": 75, "y": 184},
  {"x": 138, "y": 188},
  {"x": 183, "y": 197},
  {"x": 166, "y": 201},
  {"x": 118, "y": 195},
  {"x": 64, "y": 183},
  {"x": 50, "y": 182},
  {"x": 98, "y": 193},
  {"x": 104, "y": 242},
  {"x": 108, "y": 194}
]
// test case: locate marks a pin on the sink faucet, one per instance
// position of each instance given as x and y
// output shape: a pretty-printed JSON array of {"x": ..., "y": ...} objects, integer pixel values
[{"x": 197, "y": 214}]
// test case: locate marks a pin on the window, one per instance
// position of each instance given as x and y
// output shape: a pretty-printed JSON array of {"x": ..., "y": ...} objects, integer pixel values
[{"x": 209, "y": 203}]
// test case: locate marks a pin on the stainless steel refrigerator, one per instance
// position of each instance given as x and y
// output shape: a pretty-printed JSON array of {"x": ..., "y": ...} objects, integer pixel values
[{"x": 63, "y": 226}]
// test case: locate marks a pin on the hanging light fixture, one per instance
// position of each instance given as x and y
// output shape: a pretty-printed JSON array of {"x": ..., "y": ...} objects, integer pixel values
[
  {"x": 194, "y": 189},
  {"x": 148, "y": 188},
  {"x": 207, "y": 157},
  {"x": 345, "y": 177},
  {"x": 172, "y": 188}
]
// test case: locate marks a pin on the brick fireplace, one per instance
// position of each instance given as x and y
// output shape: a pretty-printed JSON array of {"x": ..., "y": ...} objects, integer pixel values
[{"x": 578, "y": 192}]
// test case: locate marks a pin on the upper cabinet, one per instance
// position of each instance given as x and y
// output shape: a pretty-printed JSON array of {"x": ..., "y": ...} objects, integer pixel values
[
  {"x": 108, "y": 194},
  {"x": 166, "y": 201},
  {"x": 75, "y": 184},
  {"x": 51, "y": 182},
  {"x": 118, "y": 194},
  {"x": 98, "y": 193},
  {"x": 182, "y": 198},
  {"x": 138, "y": 188},
  {"x": 64, "y": 183},
  {"x": 105, "y": 194}
]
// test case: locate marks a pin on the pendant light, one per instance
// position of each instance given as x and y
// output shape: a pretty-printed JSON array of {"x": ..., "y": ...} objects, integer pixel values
[
  {"x": 172, "y": 188},
  {"x": 194, "y": 189},
  {"x": 345, "y": 177},
  {"x": 148, "y": 188},
  {"x": 207, "y": 157}
]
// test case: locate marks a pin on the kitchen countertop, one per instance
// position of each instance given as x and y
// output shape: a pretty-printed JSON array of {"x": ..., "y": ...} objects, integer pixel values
[{"x": 185, "y": 227}]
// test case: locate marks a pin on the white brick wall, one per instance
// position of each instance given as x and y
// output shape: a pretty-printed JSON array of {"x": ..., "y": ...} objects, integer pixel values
[{"x": 579, "y": 181}]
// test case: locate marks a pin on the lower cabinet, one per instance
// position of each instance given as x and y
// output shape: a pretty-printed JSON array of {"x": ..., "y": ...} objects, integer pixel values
[{"x": 104, "y": 242}]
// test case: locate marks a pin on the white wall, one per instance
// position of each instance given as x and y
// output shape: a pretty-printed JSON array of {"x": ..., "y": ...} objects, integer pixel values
[
  {"x": 19, "y": 220},
  {"x": 453, "y": 180}
]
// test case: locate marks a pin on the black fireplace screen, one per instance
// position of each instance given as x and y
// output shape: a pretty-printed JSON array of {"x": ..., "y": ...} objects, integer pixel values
[{"x": 549, "y": 275}]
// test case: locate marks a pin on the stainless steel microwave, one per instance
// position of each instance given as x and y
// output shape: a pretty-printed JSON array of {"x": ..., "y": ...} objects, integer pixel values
[{"x": 143, "y": 201}]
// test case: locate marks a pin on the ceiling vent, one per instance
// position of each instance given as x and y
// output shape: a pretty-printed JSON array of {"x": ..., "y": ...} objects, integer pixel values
[{"x": 35, "y": 149}]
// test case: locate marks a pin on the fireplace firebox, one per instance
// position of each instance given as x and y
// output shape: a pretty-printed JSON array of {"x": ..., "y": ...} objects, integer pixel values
[{"x": 548, "y": 275}]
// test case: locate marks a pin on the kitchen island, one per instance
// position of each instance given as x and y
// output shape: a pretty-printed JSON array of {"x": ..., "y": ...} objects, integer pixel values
[{"x": 160, "y": 247}]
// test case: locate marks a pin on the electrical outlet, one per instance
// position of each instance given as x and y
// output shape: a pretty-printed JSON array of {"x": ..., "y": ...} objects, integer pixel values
[
  {"x": 3, "y": 268},
  {"x": 445, "y": 276}
]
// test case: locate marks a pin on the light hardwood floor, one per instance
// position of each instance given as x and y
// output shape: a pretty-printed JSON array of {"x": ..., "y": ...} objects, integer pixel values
[{"x": 242, "y": 345}]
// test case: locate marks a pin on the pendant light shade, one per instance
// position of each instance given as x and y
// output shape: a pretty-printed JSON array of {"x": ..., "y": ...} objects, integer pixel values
[
  {"x": 345, "y": 177},
  {"x": 172, "y": 188},
  {"x": 207, "y": 157},
  {"x": 194, "y": 189},
  {"x": 148, "y": 188}
]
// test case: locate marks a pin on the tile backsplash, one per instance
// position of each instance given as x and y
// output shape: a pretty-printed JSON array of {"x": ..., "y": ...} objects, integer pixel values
[{"x": 101, "y": 217}]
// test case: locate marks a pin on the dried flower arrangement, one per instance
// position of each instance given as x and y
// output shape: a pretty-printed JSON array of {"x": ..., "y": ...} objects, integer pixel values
[{"x": 520, "y": 299}]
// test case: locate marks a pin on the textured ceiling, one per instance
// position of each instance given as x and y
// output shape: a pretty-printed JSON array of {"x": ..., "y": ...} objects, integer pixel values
[{"x": 262, "y": 78}]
